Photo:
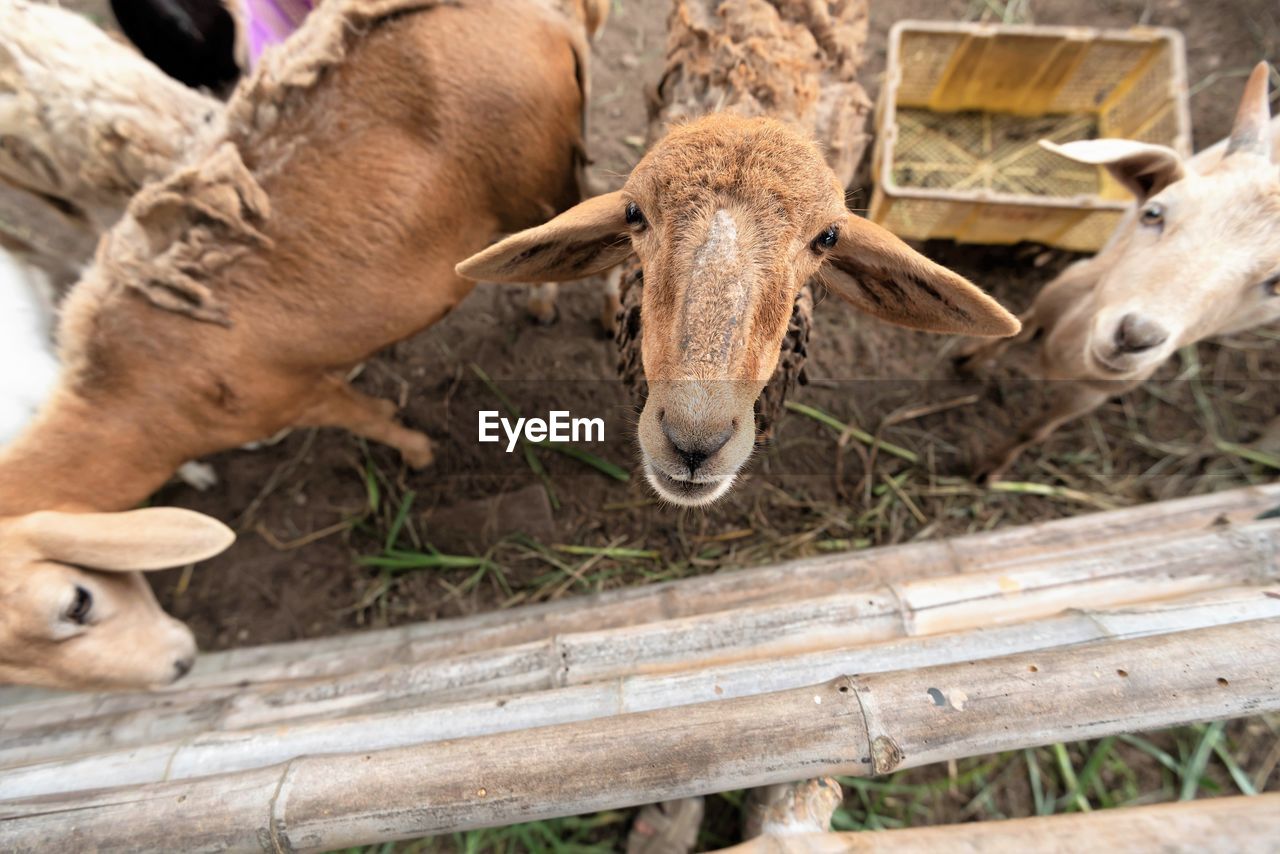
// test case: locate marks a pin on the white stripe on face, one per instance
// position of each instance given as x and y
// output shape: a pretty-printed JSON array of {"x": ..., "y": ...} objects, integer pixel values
[
  {"x": 721, "y": 245},
  {"x": 716, "y": 296}
]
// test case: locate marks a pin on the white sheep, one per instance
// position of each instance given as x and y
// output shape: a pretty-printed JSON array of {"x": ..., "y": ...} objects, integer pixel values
[
  {"x": 28, "y": 366},
  {"x": 1197, "y": 256}
]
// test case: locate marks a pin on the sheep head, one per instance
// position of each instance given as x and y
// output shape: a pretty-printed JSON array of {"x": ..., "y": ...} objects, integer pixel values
[
  {"x": 1199, "y": 256},
  {"x": 78, "y": 613},
  {"x": 729, "y": 217}
]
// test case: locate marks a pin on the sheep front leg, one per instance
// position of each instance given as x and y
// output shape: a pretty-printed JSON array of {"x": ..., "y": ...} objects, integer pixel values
[
  {"x": 340, "y": 405},
  {"x": 1068, "y": 401},
  {"x": 542, "y": 303},
  {"x": 612, "y": 300},
  {"x": 976, "y": 357},
  {"x": 542, "y": 307}
]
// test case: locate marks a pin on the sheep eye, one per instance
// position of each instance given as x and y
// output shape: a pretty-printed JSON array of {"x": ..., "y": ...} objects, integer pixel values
[
  {"x": 825, "y": 240},
  {"x": 1272, "y": 286},
  {"x": 80, "y": 606},
  {"x": 635, "y": 218},
  {"x": 1152, "y": 214}
]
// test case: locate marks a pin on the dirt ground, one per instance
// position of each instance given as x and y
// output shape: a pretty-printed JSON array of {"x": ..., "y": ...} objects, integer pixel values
[{"x": 311, "y": 507}]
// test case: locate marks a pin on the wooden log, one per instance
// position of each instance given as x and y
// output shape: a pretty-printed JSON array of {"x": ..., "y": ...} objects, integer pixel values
[
  {"x": 1138, "y": 572},
  {"x": 87, "y": 121},
  {"x": 867, "y": 724},
  {"x": 787, "y": 582},
  {"x": 1239, "y": 825},
  {"x": 223, "y": 752}
]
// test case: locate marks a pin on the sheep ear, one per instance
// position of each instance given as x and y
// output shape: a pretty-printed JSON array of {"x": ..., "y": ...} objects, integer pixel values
[
  {"x": 588, "y": 238},
  {"x": 886, "y": 278},
  {"x": 1144, "y": 169},
  {"x": 139, "y": 540}
]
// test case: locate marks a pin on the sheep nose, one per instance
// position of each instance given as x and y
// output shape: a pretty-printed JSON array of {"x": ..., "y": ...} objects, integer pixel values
[
  {"x": 694, "y": 452},
  {"x": 183, "y": 666},
  {"x": 1136, "y": 334}
]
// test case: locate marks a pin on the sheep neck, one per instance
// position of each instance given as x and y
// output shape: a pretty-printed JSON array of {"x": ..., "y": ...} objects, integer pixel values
[{"x": 80, "y": 456}]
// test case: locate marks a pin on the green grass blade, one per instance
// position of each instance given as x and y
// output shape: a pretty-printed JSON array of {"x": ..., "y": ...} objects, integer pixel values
[
  {"x": 371, "y": 487},
  {"x": 538, "y": 469},
  {"x": 398, "y": 523},
  {"x": 529, "y": 456},
  {"x": 841, "y": 820},
  {"x": 1241, "y": 779},
  {"x": 620, "y": 554},
  {"x": 1154, "y": 752},
  {"x": 401, "y": 562},
  {"x": 842, "y": 545},
  {"x": 427, "y": 548},
  {"x": 1047, "y": 490},
  {"x": 1199, "y": 760},
  {"x": 494, "y": 390},
  {"x": 1043, "y": 806},
  {"x": 1089, "y": 773},
  {"x": 1068, "y": 772},
  {"x": 1262, "y": 458},
  {"x": 856, "y": 432},
  {"x": 601, "y": 465}
]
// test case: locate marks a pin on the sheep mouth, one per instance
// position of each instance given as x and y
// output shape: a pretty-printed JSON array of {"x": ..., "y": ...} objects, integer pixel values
[
  {"x": 1116, "y": 366},
  {"x": 685, "y": 492}
]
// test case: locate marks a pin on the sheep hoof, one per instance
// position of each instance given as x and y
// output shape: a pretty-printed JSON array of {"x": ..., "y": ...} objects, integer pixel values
[
  {"x": 541, "y": 303},
  {"x": 608, "y": 325},
  {"x": 199, "y": 476},
  {"x": 966, "y": 365},
  {"x": 417, "y": 451},
  {"x": 544, "y": 315},
  {"x": 609, "y": 316},
  {"x": 988, "y": 474}
]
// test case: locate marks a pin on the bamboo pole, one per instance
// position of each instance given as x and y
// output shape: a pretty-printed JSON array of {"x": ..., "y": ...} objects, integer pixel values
[
  {"x": 1137, "y": 572},
  {"x": 797, "y": 579},
  {"x": 789, "y": 581},
  {"x": 240, "y": 750},
  {"x": 345, "y": 654},
  {"x": 686, "y": 598},
  {"x": 868, "y": 724},
  {"x": 1239, "y": 825}
]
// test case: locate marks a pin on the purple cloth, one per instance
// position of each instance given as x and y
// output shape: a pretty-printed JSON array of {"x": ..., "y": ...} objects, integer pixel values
[{"x": 269, "y": 22}]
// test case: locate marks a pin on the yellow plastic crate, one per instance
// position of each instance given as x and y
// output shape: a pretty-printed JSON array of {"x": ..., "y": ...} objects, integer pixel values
[{"x": 962, "y": 110}]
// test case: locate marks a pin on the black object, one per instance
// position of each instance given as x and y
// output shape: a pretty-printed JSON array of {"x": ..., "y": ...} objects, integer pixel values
[{"x": 190, "y": 40}]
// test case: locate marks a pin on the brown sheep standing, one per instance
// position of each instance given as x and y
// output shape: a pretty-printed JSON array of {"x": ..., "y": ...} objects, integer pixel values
[{"x": 383, "y": 142}]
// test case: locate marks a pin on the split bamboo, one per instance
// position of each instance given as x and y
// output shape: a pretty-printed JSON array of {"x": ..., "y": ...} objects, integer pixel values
[
  {"x": 793, "y": 580},
  {"x": 799, "y": 579},
  {"x": 240, "y": 750},
  {"x": 1239, "y": 825},
  {"x": 867, "y": 724},
  {"x": 1139, "y": 571}
]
